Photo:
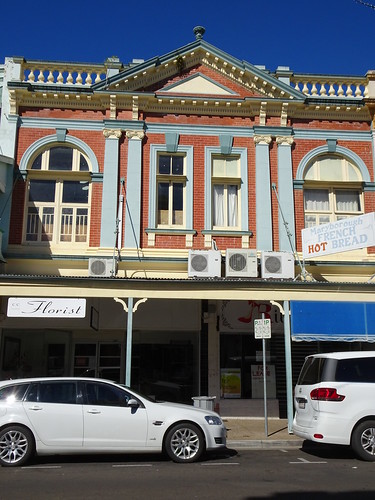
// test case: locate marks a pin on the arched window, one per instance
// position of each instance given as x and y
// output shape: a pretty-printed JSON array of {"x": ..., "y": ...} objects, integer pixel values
[
  {"x": 58, "y": 197},
  {"x": 332, "y": 190}
]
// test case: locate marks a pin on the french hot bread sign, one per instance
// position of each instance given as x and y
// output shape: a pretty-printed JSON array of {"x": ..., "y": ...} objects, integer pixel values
[{"x": 341, "y": 236}]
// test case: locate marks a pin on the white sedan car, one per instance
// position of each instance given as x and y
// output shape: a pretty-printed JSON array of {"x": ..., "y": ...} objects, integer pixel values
[{"x": 85, "y": 415}]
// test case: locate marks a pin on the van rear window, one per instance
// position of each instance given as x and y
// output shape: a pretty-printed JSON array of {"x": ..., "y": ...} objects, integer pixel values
[
  {"x": 355, "y": 370},
  {"x": 312, "y": 371},
  {"x": 316, "y": 370}
]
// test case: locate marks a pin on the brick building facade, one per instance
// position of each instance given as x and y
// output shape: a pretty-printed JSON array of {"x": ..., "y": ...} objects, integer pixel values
[{"x": 171, "y": 195}]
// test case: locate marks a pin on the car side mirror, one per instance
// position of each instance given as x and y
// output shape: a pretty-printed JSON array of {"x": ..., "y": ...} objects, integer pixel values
[{"x": 133, "y": 403}]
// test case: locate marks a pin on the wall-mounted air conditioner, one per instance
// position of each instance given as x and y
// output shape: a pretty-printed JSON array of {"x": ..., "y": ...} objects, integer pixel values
[
  {"x": 277, "y": 265},
  {"x": 241, "y": 263},
  {"x": 101, "y": 267},
  {"x": 204, "y": 263}
]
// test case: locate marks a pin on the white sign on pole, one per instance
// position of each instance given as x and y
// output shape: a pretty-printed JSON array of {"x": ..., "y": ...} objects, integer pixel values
[
  {"x": 31, "y": 307},
  {"x": 262, "y": 328},
  {"x": 340, "y": 236}
]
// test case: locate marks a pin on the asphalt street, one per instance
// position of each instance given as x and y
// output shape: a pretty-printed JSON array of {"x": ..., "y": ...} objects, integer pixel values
[{"x": 327, "y": 473}]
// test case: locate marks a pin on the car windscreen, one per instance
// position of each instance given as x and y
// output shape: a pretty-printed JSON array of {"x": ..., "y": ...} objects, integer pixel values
[{"x": 312, "y": 371}]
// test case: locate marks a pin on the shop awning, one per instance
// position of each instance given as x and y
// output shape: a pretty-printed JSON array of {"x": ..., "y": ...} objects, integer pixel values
[{"x": 333, "y": 321}]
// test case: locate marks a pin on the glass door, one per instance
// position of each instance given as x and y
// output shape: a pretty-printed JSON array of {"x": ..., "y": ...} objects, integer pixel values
[{"x": 98, "y": 359}]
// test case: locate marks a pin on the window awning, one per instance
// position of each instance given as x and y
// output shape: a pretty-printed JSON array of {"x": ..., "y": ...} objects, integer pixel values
[{"x": 333, "y": 321}]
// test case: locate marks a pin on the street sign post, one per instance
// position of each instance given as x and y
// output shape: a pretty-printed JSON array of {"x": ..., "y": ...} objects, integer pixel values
[{"x": 262, "y": 330}]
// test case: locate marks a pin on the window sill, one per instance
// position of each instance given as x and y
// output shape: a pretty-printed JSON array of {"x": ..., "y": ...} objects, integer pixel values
[
  {"x": 188, "y": 233},
  {"x": 226, "y": 232}
]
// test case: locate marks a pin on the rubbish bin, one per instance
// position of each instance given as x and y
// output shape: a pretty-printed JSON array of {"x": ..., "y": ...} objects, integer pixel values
[{"x": 205, "y": 402}]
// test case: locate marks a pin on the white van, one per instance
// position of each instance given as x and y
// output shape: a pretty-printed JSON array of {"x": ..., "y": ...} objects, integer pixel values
[{"x": 334, "y": 401}]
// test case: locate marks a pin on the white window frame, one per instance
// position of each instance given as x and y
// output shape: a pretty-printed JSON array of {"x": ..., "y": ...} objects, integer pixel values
[
  {"x": 188, "y": 151},
  {"x": 227, "y": 181},
  {"x": 243, "y": 205},
  {"x": 343, "y": 182},
  {"x": 59, "y": 177},
  {"x": 171, "y": 179}
]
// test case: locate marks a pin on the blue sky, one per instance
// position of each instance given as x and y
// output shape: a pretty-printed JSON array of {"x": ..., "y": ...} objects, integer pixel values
[{"x": 316, "y": 36}]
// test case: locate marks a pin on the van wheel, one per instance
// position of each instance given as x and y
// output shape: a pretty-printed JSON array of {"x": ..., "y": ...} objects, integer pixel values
[
  {"x": 16, "y": 446},
  {"x": 363, "y": 440}
]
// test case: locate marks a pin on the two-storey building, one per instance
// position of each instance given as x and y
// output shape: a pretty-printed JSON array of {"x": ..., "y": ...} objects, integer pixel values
[{"x": 151, "y": 211}]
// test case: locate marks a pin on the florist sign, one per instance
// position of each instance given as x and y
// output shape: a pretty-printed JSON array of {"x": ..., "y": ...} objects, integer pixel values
[
  {"x": 340, "y": 236},
  {"x": 21, "y": 307}
]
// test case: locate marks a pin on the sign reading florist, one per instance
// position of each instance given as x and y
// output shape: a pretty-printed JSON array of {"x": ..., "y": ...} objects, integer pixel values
[
  {"x": 340, "y": 236},
  {"x": 31, "y": 307}
]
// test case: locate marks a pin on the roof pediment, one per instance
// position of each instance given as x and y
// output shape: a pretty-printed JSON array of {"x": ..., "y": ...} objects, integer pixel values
[
  {"x": 200, "y": 69},
  {"x": 198, "y": 84}
]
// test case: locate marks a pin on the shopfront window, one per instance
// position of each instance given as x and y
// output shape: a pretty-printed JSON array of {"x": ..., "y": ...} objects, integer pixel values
[
  {"x": 241, "y": 368},
  {"x": 166, "y": 370}
]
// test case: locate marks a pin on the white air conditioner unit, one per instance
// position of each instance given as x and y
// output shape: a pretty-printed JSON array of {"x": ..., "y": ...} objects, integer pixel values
[
  {"x": 277, "y": 265},
  {"x": 241, "y": 263},
  {"x": 204, "y": 263},
  {"x": 100, "y": 267}
]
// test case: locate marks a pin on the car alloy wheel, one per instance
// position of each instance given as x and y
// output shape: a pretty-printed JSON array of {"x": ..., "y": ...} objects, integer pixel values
[
  {"x": 16, "y": 446},
  {"x": 184, "y": 443},
  {"x": 363, "y": 440}
]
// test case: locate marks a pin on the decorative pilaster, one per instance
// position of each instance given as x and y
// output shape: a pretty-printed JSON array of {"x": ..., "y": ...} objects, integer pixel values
[
  {"x": 285, "y": 191},
  {"x": 135, "y": 134},
  {"x": 112, "y": 107},
  {"x": 132, "y": 232},
  {"x": 110, "y": 186},
  {"x": 264, "y": 237}
]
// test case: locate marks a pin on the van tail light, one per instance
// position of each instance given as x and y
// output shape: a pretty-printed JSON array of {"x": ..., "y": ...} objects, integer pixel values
[{"x": 326, "y": 394}]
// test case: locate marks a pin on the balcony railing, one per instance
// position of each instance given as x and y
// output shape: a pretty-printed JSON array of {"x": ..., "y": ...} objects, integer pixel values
[
  {"x": 330, "y": 86},
  {"x": 63, "y": 73}
]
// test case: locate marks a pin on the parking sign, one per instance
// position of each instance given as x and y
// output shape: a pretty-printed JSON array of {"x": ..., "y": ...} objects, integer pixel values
[{"x": 262, "y": 328}]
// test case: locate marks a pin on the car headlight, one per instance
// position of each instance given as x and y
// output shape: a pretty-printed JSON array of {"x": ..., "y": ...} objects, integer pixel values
[{"x": 212, "y": 420}]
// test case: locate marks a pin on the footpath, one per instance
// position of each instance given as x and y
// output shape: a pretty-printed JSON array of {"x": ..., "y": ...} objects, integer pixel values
[{"x": 251, "y": 433}]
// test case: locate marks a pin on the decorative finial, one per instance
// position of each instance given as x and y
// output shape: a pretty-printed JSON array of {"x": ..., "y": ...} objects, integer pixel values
[{"x": 199, "y": 31}]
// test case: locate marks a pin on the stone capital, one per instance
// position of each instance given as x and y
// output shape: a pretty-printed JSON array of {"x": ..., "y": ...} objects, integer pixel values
[
  {"x": 135, "y": 134},
  {"x": 262, "y": 139},
  {"x": 110, "y": 133},
  {"x": 285, "y": 141}
]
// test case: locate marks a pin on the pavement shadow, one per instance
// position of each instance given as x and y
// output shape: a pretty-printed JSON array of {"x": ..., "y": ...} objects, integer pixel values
[{"x": 331, "y": 451}]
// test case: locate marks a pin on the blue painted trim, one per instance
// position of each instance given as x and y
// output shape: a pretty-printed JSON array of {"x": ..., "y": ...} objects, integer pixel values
[
  {"x": 109, "y": 200},
  {"x": 6, "y": 205},
  {"x": 206, "y": 130},
  {"x": 264, "y": 239},
  {"x": 242, "y": 152},
  {"x": 273, "y": 131},
  {"x": 189, "y": 152},
  {"x": 285, "y": 193},
  {"x": 340, "y": 135},
  {"x": 132, "y": 229},
  {"x": 222, "y": 232},
  {"x": 49, "y": 140},
  {"x": 226, "y": 142},
  {"x": 171, "y": 140},
  {"x": 347, "y": 153},
  {"x": 170, "y": 231},
  {"x": 92, "y": 125}
]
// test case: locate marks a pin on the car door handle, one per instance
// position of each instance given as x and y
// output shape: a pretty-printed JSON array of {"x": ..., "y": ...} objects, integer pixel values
[
  {"x": 94, "y": 411},
  {"x": 36, "y": 408}
]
